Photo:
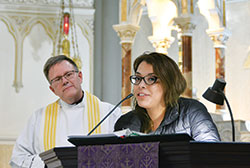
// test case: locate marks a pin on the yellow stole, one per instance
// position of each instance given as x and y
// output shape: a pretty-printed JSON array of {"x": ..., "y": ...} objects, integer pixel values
[{"x": 51, "y": 115}]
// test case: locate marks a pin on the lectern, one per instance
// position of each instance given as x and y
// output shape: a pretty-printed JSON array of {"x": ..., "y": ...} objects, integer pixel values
[{"x": 175, "y": 151}]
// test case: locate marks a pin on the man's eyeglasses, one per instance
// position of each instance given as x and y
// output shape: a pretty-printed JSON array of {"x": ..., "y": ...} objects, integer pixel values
[
  {"x": 68, "y": 75},
  {"x": 148, "y": 79}
]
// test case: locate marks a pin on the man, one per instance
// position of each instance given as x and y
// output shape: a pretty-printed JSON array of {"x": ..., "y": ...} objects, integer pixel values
[{"x": 75, "y": 113}]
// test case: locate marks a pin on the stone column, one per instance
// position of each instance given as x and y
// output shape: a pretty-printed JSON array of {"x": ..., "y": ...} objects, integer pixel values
[
  {"x": 127, "y": 34},
  {"x": 219, "y": 38},
  {"x": 187, "y": 63},
  {"x": 130, "y": 16},
  {"x": 187, "y": 25}
]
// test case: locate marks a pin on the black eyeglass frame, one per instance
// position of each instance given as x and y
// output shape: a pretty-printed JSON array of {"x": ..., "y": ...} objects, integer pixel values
[{"x": 143, "y": 78}]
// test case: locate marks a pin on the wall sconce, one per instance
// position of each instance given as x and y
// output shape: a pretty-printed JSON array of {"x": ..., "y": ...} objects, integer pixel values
[{"x": 215, "y": 94}]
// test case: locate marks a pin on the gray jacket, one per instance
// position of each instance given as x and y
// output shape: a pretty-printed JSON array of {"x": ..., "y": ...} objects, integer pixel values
[{"x": 189, "y": 116}]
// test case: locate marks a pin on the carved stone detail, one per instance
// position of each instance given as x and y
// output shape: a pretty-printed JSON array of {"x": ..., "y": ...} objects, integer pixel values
[
  {"x": 219, "y": 37},
  {"x": 20, "y": 21},
  {"x": 90, "y": 23},
  {"x": 242, "y": 134},
  {"x": 126, "y": 32},
  {"x": 78, "y": 3},
  {"x": 187, "y": 28},
  {"x": 187, "y": 24},
  {"x": 161, "y": 45}
]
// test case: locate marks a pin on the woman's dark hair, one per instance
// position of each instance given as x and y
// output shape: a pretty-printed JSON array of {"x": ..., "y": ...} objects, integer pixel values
[
  {"x": 171, "y": 79},
  {"x": 53, "y": 61}
]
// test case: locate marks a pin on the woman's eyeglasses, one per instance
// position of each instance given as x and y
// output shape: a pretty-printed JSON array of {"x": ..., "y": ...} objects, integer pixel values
[{"x": 148, "y": 79}]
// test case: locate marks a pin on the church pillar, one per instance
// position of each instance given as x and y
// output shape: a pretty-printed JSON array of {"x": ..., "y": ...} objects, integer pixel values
[
  {"x": 219, "y": 38},
  {"x": 127, "y": 34},
  {"x": 130, "y": 15},
  {"x": 187, "y": 25}
]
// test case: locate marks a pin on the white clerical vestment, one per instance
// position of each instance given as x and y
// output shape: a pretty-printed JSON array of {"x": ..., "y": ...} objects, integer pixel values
[{"x": 50, "y": 127}]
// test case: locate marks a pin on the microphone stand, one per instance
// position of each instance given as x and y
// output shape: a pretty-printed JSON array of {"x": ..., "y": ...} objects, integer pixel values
[{"x": 130, "y": 95}]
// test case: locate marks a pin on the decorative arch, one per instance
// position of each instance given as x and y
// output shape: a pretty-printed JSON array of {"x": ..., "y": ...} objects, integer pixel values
[
  {"x": 20, "y": 34},
  {"x": 49, "y": 25},
  {"x": 6, "y": 21},
  {"x": 46, "y": 24},
  {"x": 136, "y": 12}
]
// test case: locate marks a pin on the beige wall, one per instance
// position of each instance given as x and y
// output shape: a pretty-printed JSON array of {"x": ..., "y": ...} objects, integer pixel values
[{"x": 5, "y": 154}]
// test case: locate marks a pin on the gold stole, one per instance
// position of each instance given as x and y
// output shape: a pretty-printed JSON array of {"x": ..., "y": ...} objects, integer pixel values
[{"x": 51, "y": 114}]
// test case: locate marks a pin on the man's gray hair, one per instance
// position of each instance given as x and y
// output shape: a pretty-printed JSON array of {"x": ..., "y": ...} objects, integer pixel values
[{"x": 53, "y": 61}]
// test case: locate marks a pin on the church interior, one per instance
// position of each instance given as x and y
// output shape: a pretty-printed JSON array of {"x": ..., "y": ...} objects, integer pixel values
[{"x": 209, "y": 40}]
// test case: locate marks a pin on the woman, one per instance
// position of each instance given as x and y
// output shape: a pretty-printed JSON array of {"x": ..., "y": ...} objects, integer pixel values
[{"x": 159, "y": 109}]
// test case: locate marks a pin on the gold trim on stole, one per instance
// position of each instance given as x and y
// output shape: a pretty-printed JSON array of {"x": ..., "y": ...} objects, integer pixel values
[
  {"x": 51, "y": 114},
  {"x": 93, "y": 112},
  {"x": 49, "y": 136}
]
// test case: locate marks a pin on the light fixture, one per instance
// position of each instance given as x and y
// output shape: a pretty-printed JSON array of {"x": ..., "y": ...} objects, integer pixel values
[
  {"x": 216, "y": 95},
  {"x": 66, "y": 34}
]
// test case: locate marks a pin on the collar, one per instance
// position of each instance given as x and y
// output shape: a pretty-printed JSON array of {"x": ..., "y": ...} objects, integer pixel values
[{"x": 79, "y": 101}]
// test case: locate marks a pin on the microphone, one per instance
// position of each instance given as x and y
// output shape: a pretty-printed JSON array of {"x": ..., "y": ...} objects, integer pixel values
[{"x": 129, "y": 96}]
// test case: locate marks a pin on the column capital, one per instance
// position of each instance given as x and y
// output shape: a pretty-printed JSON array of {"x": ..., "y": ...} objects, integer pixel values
[
  {"x": 161, "y": 44},
  {"x": 126, "y": 32},
  {"x": 219, "y": 36},
  {"x": 186, "y": 23}
]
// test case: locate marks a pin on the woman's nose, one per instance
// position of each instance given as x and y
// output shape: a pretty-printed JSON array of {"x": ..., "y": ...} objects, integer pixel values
[{"x": 142, "y": 84}]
